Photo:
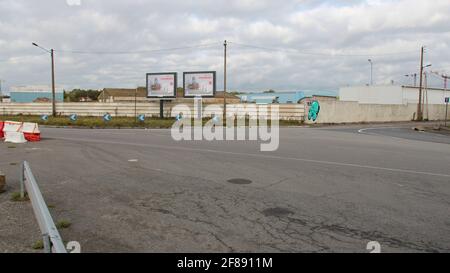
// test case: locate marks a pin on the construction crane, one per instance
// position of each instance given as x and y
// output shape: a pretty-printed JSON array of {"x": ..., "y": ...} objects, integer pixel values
[
  {"x": 414, "y": 76},
  {"x": 443, "y": 76}
]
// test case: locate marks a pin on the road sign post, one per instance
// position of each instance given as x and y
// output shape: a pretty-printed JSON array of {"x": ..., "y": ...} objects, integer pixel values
[
  {"x": 161, "y": 108},
  {"x": 446, "y": 110}
]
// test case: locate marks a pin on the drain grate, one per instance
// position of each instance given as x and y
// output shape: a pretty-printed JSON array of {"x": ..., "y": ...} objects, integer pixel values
[
  {"x": 278, "y": 212},
  {"x": 239, "y": 181}
]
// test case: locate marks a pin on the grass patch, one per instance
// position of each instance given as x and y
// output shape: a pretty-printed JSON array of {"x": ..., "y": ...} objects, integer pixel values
[
  {"x": 62, "y": 224},
  {"x": 12, "y": 146},
  {"x": 39, "y": 244},
  {"x": 15, "y": 196},
  {"x": 95, "y": 122}
]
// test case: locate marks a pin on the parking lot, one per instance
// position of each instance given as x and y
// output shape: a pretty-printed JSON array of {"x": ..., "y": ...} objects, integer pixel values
[{"x": 324, "y": 190}]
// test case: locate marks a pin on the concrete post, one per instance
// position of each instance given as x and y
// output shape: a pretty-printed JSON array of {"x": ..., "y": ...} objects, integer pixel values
[{"x": 2, "y": 181}]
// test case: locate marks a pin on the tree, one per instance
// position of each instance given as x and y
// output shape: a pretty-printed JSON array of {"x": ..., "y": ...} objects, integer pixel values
[{"x": 77, "y": 95}]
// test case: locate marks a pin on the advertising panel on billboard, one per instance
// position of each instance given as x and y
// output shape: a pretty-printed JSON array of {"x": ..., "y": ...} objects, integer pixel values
[
  {"x": 199, "y": 84},
  {"x": 161, "y": 85}
]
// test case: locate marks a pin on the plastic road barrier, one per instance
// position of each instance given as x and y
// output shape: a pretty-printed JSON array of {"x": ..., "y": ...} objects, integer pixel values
[
  {"x": 31, "y": 131},
  {"x": 13, "y": 132},
  {"x": 2, "y": 135},
  {"x": 18, "y": 132},
  {"x": 15, "y": 137}
]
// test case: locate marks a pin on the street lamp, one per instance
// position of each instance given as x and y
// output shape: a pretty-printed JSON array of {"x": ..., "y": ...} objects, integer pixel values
[
  {"x": 51, "y": 51},
  {"x": 371, "y": 71}
]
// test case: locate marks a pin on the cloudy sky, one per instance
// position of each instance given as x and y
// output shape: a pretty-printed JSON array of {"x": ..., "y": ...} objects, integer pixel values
[{"x": 281, "y": 45}]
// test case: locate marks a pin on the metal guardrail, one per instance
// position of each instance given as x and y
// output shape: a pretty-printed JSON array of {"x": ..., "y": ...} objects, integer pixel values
[{"x": 51, "y": 238}]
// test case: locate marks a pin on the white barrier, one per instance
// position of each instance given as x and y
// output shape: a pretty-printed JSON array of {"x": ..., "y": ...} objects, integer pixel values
[
  {"x": 13, "y": 132},
  {"x": 21, "y": 132},
  {"x": 15, "y": 137},
  {"x": 12, "y": 126}
]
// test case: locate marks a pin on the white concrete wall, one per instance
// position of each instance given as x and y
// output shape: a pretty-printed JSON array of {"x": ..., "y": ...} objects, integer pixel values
[
  {"x": 435, "y": 96},
  {"x": 394, "y": 95},
  {"x": 372, "y": 94},
  {"x": 286, "y": 111},
  {"x": 354, "y": 112}
]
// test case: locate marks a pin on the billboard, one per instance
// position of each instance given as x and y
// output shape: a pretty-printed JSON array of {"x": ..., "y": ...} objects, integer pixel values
[
  {"x": 161, "y": 85},
  {"x": 201, "y": 83}
]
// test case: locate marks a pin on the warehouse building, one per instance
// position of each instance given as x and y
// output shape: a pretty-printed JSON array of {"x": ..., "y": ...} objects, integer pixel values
[
  {"x": 140, "y": 95},
  {"x": 392, "y": 94},
  {"x": 272, "y": 97},
  {"x": 35, "y": 93}
]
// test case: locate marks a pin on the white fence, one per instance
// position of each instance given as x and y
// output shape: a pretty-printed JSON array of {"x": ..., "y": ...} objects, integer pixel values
[{"x": 286, "y": 111}]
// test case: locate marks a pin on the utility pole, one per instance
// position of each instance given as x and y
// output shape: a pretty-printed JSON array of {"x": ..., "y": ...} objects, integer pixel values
[
  {"x": 53, "y": 84},
  {"x": 446, "y": 100},
  {"x": 371, "y": 71},
  {"x": 425, "y": 94},
  {"x": 419, "y": 105},
  {"x": 51, "y": 51},
  {"x": 225, "y": 83}
]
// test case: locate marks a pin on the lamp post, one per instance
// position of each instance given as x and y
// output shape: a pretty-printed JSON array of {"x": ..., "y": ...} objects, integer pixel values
[
  {"x": 371, "y": 71},
  {"x": 51, "y": 51},
  {"x": 225, "y": 82},
  {"x": 420, "y": 105}
]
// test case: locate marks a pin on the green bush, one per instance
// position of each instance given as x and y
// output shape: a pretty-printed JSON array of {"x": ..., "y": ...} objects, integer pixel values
[{"x": 15, "y": 196}]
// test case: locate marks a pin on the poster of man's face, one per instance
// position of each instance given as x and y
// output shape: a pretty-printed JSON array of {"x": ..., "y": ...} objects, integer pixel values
[
  {"x": 199, "y": 84},
  {"x": 161, "y": 85}
]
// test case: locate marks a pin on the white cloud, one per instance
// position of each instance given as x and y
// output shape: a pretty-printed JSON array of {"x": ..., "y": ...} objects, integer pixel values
[{"x": 309, "y": 26}]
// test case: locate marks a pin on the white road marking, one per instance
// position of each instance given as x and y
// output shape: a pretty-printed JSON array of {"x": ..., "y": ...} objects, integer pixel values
[
  {"x": 133, "y": 160},
  {"x": 120, "y": 132},
  {"x": 257, "y": 155},
  {"x": 361, "y": 131}
]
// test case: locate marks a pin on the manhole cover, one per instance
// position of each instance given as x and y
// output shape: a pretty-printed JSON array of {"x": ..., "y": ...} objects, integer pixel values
[
  {"x": 240, "y": 181},
  {"x": 279, "y": 212}
]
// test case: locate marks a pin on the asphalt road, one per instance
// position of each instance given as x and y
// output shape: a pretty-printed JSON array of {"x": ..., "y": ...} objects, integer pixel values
[{"x": 324, "y": 190}]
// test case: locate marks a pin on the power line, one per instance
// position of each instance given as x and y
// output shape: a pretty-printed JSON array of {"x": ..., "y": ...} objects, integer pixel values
[
  {"x": 302, "y": 52},
  {"x": 138, "y": 52},
  {"x": 442, "y": 70}
]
